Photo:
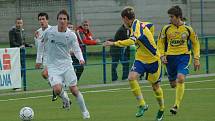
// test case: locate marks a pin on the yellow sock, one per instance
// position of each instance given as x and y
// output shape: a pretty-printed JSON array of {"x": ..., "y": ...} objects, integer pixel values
[
  {"x": 135, "y": 88},
  {"x": 179, "y": 94},
  {"x": 160, "y": 98}
]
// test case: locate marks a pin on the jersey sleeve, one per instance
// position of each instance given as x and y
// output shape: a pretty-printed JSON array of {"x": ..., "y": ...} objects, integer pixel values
[
  {"x": 41, "y": 48},
  {"x": 124, "y": 43},
  {"x": 162, "y": 41},
  {"x": 195, "y": 43},
  {"x": 76, "y": 48}
]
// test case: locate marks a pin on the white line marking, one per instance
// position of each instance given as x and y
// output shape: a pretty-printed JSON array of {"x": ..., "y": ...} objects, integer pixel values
[{"x": 118, "y": 89}]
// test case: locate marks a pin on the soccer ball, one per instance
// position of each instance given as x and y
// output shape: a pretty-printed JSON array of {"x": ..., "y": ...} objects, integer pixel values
[{"x": 26, "y": 114}]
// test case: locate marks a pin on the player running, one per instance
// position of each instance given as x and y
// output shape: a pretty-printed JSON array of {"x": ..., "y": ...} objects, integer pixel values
[
  {"x": 174, "y": 43},
  {"x": 59, "y": 40}
]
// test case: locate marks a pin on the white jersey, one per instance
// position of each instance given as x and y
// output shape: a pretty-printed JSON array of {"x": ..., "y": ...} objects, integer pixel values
[
  {"x": 40, "y": 58},
  {"x": 58, "y": 46}
]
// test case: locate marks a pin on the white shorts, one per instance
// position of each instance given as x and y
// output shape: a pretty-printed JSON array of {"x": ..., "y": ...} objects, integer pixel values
[{"x": 68, "y": 78}]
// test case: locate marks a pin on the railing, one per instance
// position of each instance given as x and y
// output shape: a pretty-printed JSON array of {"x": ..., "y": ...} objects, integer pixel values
[{"x": 207, "y": 50}]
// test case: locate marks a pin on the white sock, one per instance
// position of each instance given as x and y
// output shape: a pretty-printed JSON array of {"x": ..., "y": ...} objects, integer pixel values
[
  {"x": 64, "y": 96},
  {"x": 81, "y": 102}
]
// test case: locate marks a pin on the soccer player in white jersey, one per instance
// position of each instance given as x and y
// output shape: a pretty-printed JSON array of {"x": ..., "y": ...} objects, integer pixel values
[
  {"x": 59, "y": 40},
  {"x": 43, "y": 21}
]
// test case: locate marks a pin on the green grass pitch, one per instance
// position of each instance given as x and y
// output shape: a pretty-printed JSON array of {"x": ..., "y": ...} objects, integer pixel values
[{"x": 116, "y": 103}]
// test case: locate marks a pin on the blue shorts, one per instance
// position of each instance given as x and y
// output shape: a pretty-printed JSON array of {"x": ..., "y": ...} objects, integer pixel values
[
  {"x": 152, "y": 70},
  {"x": 177, "y": 64}
]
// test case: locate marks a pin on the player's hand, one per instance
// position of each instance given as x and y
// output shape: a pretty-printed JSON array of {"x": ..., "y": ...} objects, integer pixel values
[
  {"x": 38, "y": 65},
  {"x": 108, "y": 43},
  {"x": 196, "y": 64},
  {"x": 164, "y": 60},
  {"x": 81, "y": 62}
]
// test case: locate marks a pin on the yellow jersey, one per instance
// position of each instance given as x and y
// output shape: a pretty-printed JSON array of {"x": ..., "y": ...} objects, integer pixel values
[
  {"x": 150, "y": 26},
  {"x": 146, "y": 48},
  {"x": 175, "y": 40}
]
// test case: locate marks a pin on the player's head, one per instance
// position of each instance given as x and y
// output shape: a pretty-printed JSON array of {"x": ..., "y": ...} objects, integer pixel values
[
  {"x": 128, "y": 15},
  {"x": 70, "y": 26},
  {"x": 175, "y": 14},
  {"x": 63, "y": 18},
  {"x": 85, "y": 24},
  {"x": 19, "y": 23},
  {"x": 43, "y": 19}
]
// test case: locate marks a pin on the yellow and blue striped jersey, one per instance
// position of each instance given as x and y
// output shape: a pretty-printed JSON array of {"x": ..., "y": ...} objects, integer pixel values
[
  {"x": 176, "y": 41},
  {"x": 146, "y": 48}
]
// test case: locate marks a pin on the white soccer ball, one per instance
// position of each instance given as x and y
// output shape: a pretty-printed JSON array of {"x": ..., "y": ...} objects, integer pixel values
[{"x": 26, "y": 114}]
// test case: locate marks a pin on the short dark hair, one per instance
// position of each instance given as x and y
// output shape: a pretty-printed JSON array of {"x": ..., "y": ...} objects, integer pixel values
[
  {"x": 64, "y": 12},
  {"x": 18, "y": 18},
  {"x": 43, "y": 14},
  {"x": 128, "y": 12},
  {"x": 176, "y": 11}
]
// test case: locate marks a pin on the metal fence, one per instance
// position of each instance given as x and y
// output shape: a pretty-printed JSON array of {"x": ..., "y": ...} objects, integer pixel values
[{"x": 98, "y": 66}]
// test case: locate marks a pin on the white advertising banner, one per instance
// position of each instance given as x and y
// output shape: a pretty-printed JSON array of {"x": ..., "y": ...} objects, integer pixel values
[{"x": 10, "y": 69}]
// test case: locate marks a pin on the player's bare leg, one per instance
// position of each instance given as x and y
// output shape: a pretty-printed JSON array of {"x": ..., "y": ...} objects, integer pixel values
[
  {"x": 80, "y": 99},
  {"x": 45, "y": 76}
]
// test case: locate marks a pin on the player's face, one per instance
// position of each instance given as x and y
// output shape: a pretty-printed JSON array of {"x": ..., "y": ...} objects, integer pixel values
[
  {"x": 19, "y": 24},
  {"x": 62, "y": 21},
  {"x": 173, "y": 19},
  {"x": 43, "y": 21},
  {"x": 126, "y": 22}
]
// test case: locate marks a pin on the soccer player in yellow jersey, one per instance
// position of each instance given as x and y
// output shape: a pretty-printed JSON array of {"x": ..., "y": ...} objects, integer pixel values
[
  {"x": 147, "y": 60},
  {"x": 174, "y": 45}
]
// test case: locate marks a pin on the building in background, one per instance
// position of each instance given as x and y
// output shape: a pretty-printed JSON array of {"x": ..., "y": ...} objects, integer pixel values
[{"x": 104, "y": 14}]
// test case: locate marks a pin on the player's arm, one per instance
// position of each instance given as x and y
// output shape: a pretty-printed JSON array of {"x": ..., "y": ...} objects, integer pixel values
[
  {"x": 161, "y": 45},
  {"x": 119, "y": 43},
  {"x": 124, "y": 43},
  {"x": 40, "y": 52},
  {"x": 195, "y": 44},
  {"x": 76, "y": 49},
  {"x": 161, "y": 42},
  {"x": 196, "y": 49},
  {"x": 39, "y": 58}
]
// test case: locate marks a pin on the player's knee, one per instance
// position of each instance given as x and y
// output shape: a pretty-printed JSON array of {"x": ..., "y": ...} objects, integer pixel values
[
  {"x": 57, "y": 89},
  {"x": 181, "y": 78},
  {"x": 155, "y": 86},
  {"x": 173, "y": 84},
  {"x": 74, "y": 90},
  {"x": 132, "y": 76},
  {"x": 45, "y": 74}
]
